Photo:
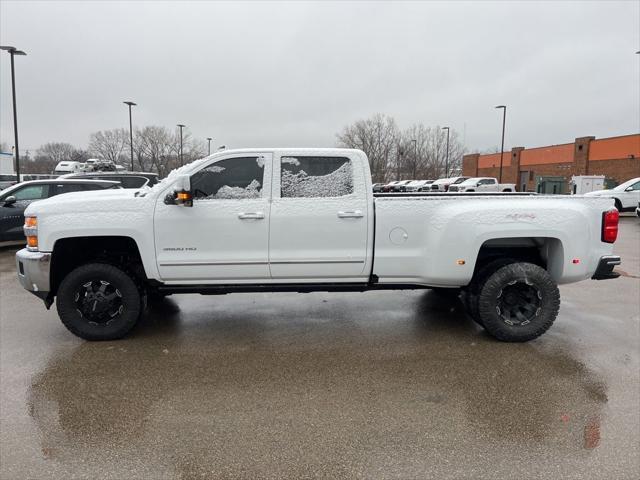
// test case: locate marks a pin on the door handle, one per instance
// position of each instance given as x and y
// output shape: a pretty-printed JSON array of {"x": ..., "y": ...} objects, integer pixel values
[
  {"x": 251, "y": 215},
  {"x": 350, "y": 214}
]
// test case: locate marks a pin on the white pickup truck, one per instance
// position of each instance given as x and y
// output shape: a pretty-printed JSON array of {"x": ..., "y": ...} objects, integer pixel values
[
  {"x": 482, "y": 184},
  {"x": 272, "y": 220}
]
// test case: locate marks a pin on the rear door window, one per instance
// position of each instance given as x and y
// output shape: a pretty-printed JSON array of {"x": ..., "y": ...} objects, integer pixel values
[{"x": 302, "y": 176}]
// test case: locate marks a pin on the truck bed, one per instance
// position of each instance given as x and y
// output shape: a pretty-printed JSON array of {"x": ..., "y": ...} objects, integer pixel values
[{"x": 436, "y": 238}]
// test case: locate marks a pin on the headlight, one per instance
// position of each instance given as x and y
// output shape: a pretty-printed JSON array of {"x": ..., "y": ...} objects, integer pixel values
[{"x": 31, "y": 232}]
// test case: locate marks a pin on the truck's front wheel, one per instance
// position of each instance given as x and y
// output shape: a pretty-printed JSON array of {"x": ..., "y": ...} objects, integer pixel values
[
  {"x": 98, "y": 301},
  {"x": 518, "y": 302}
]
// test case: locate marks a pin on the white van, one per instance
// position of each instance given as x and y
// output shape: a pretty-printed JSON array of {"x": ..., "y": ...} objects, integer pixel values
[{"x": 68, "y": 167}]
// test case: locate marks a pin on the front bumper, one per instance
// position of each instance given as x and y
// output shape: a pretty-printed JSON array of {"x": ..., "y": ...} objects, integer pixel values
[
  {"x": 605, "y": 268},
  {"x": 33, "y": 271}
]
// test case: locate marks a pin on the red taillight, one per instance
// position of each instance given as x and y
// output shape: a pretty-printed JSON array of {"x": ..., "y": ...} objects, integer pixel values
[{"x": 610, "y": 225}]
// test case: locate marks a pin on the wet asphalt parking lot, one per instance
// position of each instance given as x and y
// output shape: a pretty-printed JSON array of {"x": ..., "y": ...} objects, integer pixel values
[{"x": 342, "y": 385}]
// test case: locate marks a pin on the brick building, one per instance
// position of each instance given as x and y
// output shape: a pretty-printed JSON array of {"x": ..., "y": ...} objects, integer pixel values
[{"x": 535, "y": 169}]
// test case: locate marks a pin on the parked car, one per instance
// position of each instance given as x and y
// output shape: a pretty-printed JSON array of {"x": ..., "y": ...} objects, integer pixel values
[
  {"x": 97, "y": 253},
  {"x": 400, "y": 186},
  {"x": 638, "y": 210},
  {"x": 418, "y": 186},
  {"x": 389, "y": 186},
  {"x": 127, "y": 179},
  {"x": 482, "y": 184},
  {"x": 14, "y": 200},
  {"x": 7, "y": 180},
  {"x": 442, "y": 184},
  {"x": 626, "y": 195},
  {"x": 377, "y": 187}
]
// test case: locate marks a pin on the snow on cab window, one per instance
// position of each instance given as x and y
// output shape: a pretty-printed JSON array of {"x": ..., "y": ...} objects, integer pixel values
[
  {"x": 315, "y": 177},
  {"x": 233, "y": 178}
]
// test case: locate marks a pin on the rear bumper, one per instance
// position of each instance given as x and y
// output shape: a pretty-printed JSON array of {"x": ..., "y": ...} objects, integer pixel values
[
  {"x": 605, "y": 268},
  {"x": 33, "y": 271}
]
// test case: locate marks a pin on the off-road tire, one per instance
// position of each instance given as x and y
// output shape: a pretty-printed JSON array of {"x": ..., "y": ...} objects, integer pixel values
[
  {"x": 518, "y": 302},
  {"x": 120, "y": 283},
  {"x": 471, "y": 293},
  {"x": 618, "y": 204}
]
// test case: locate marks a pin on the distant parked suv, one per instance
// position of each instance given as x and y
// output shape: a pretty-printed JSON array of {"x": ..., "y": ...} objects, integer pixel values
[
  {"x": 15, "y": 199},
  {"x": 126, "y": 179},
  {"x": 400, "y": 186},
  {"x": 419, "y": 186},
  {"x": 443, "y": 184}
]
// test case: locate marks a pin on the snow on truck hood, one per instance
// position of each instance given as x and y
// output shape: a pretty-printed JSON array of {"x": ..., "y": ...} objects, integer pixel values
[{"x": 85, "y": 201}]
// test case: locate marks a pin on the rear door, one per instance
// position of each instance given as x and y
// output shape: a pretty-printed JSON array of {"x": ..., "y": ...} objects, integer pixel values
[
  {"x": 319, "y": 219},
  {"x": 487, "y": 184}
]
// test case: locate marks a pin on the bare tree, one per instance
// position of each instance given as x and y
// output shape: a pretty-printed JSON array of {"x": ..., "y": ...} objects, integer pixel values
[
  {"x": 414, "y": 147},
  {"x": 378, "y": 137},
  {"x": 394, "y": 155},
  {"x": 109, "y": 144},
  {"x": 56, "y": 151},
  {"x": 154, "y": 148},
  {"x": 50, "y": 154}
]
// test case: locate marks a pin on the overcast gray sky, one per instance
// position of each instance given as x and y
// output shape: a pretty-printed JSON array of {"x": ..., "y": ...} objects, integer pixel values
[{"x": 295, "y": 73}]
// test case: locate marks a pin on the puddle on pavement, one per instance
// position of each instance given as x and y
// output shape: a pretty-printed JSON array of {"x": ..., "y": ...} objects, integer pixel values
[{"x": 228, "y": 395}]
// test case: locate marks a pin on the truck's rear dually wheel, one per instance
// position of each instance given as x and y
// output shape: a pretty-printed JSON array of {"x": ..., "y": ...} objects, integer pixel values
[
  {"x": 98, "y": 301},
  {"x": 518, "y": 302}
]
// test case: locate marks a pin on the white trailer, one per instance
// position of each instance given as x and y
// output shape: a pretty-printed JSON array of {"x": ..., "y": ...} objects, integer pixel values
[{"x": 581, "y": 184}]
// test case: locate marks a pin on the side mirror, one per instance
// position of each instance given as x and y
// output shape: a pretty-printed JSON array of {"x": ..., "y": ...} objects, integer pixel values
[
  {"x": 629, "y": 189},
  {"x": 182, "y": 193},
  {"x": 10, "y": 200}
]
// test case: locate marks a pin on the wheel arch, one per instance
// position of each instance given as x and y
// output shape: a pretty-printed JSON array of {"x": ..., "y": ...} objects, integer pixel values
[
  {"x": 546, "y": 252},
  {"x": 71, "y": 252}
]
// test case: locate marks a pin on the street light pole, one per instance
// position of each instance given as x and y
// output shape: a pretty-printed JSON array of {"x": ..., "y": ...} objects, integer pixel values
[
  {"x": 12, "y": 52},
  {"x": 209, "y": 140},
  {"x": 415, "y": 156},
  {"x": 446, "y": 158},
  {"x": 131, "y": 104},
  {"x": 181, "y": 127},
  {"x": 504, "y": 119}
]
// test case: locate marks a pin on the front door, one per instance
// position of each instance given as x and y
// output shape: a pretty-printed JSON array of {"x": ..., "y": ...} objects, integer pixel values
[
  {"x": 12, "y": 215},
  {"x": 319, "y": 219},
  {"x": 224, "y": 236}
]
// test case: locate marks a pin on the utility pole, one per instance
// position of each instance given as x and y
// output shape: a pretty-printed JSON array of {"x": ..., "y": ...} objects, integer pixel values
[
  {"x": 12, "y": 52},
  {"x": 131, "y": 104},
  {"x": 415, "y": 157},
  {"x": 446, "y": 158},
  {"x": 181, "y": 127},
  {"x": 504, "y": 120}
]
